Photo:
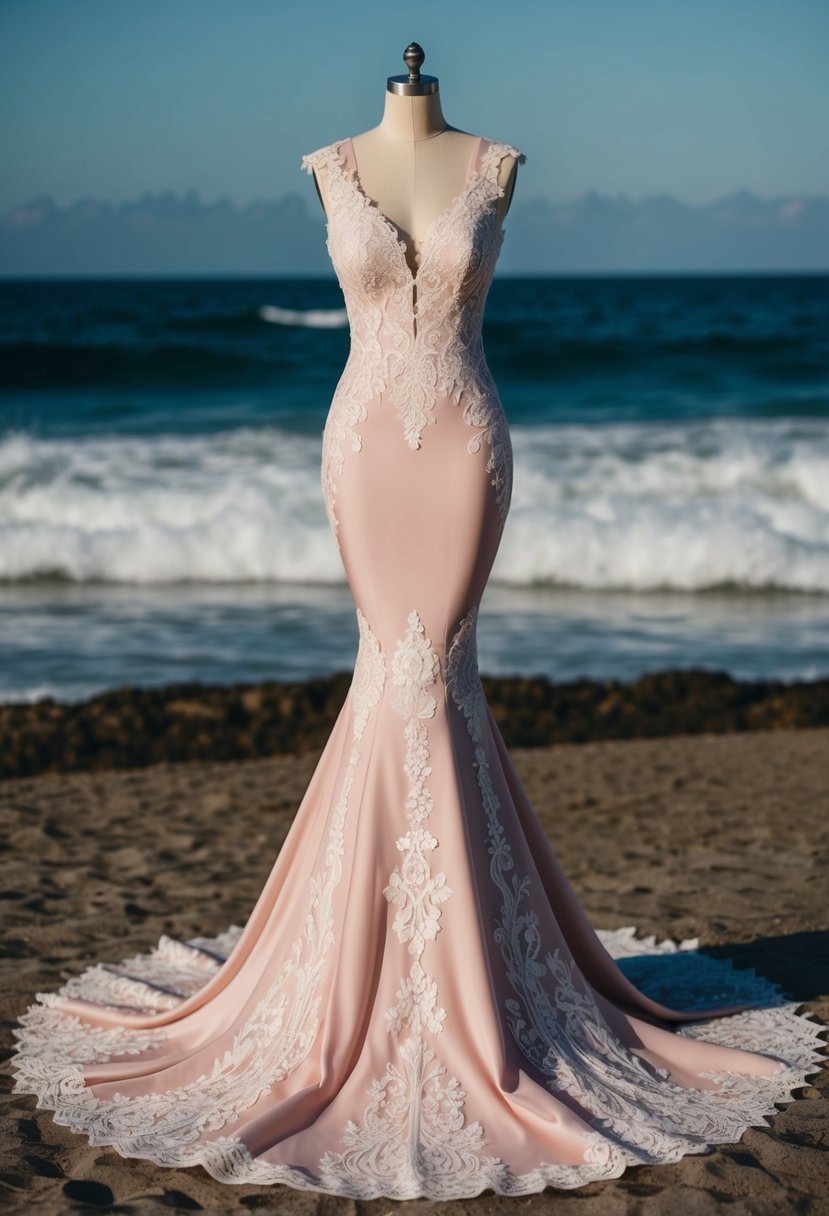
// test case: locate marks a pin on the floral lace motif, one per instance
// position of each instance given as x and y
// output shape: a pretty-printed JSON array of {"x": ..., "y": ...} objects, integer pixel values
[
  {"x": 167, "y": 1126},
  {"x": 557, "y": 1024},
  {"x": 413, "y": 1140},
  {"x": 412, "y": 888},
  {"x": 415, "y": 336},
  {"x": 415, "y": 668},
  {"x": 369, "y": 676},
  {"x": 413, "y": 1131},
  {"x": 52, "y": 1041},
  {"x": 363, "y": 377}
]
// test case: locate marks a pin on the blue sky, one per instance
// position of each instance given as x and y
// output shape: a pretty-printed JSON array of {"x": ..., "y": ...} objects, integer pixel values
[{"x": 111, "y": 99}]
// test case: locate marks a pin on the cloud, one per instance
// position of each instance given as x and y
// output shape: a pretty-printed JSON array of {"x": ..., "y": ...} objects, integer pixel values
[
  {"x": 660, "y": 233},
  {"x": 171, "y": 234},
  {"x": 159, "y": 234}
]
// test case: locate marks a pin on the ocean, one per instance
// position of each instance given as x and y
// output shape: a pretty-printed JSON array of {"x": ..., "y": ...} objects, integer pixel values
[{"x": 161, "y": 516}]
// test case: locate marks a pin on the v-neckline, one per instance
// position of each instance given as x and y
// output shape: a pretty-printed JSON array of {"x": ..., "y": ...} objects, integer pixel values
[{"x": 403, "y": 246}]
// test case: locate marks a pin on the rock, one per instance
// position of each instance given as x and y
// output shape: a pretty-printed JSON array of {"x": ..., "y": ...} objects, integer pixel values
[{"x": 135, "y": 727}]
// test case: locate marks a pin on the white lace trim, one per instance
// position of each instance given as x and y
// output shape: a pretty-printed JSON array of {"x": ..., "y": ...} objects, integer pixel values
[
  {"x": 166, "y": 1126},
  {"x": 369, "y": 676},
  {"x": 53, "y": 1044}
]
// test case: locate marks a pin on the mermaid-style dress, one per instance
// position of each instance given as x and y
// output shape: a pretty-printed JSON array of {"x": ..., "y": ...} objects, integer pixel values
[{"x": 417, "y": 1004}]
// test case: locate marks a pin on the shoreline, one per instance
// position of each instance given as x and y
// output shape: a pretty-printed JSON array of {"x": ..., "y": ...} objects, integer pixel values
[{"x": 133, "y": 726}]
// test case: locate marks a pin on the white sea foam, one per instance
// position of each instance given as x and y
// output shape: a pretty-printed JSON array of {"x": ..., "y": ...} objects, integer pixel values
[
  {"x": 641, "y": 505},
  {"x": 313, "y": 318}
]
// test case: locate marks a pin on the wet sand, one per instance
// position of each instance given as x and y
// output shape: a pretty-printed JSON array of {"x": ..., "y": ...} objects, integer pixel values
[{"x": 718, "y": 836}]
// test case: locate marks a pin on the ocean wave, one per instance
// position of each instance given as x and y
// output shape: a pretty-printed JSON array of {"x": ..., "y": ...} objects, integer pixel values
[
  {"x": 689, "y": 505},
  {"x": 310, "y": 318}
]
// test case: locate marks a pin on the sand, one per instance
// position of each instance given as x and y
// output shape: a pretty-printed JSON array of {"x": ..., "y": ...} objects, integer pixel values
[{"x": 721, "y": 837}]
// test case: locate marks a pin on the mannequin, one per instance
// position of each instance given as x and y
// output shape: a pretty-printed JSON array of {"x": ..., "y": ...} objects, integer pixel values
[{"x": 413, "y": 164}]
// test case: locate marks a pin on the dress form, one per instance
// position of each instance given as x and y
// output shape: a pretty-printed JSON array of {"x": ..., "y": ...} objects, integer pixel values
[{"x": 413, "y": 163}]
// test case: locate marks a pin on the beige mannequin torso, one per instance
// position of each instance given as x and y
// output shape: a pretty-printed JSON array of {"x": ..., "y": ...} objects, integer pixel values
[{"x": 413, "y": 165}]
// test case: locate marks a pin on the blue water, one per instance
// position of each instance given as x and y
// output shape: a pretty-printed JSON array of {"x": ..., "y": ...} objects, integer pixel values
[{"x": 161, "y": 516}]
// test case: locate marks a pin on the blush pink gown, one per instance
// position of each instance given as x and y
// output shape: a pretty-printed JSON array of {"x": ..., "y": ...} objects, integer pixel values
[{"x": 417, "y": 1004}]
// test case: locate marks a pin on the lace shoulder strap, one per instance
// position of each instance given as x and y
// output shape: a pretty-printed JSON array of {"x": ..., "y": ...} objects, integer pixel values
[
  {"x": 508, "y": 150},
  {"x": 321, "y": 157},
  {"x": 494, "y": 152},
  {"x": 489, "y": 160}
]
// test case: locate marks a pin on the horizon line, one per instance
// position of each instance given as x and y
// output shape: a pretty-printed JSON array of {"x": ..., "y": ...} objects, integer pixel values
[{"x": 172, "y": 276}]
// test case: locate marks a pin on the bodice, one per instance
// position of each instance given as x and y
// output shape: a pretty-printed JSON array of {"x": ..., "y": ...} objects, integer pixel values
[{"x": 415, "y": 335}]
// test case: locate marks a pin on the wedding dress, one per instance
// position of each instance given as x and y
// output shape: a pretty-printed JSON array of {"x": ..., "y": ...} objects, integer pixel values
[{"x": 417, "y": 1004}]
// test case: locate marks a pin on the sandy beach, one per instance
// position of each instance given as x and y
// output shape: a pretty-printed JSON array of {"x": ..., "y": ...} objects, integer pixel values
[{"x": 718, "y": 836}]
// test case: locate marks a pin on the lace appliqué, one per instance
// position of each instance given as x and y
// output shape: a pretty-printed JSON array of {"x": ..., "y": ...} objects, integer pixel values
[
  {"x": 463, "y": 372},
  {"x": 413, "y": 1132},
  {"x": 559, "y": 1028},
  {"x": 778, "y": 1030},
  {"x": 369, "y": 676},
  {"x": 412, "y": 888},
  {"x": 412, "y": 1140},
  {"x": 363, "y": 378},
  {"x": 166, "y": 1126},
  {"x": 415, "y": 336}
]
